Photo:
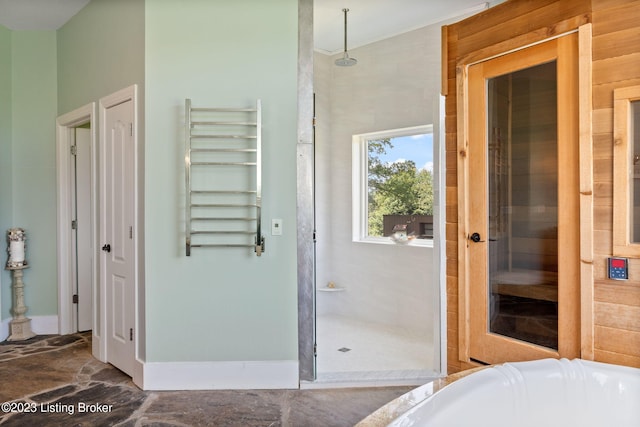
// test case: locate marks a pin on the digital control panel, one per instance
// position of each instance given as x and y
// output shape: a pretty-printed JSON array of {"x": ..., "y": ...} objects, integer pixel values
[{"x": 618, "y": 268}]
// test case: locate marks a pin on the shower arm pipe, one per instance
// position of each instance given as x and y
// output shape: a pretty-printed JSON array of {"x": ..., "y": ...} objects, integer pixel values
[
  {"x": 345, "y": 10},
  {"x": 345, "y": 61}
]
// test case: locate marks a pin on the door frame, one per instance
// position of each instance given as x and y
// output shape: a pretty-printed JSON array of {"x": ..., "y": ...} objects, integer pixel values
[
  {"x": 485, "y": 345},
  {"x": 584, "y": 297},
  {"x": 129, "y": 93},
  {"x": 65, "y": 127}
]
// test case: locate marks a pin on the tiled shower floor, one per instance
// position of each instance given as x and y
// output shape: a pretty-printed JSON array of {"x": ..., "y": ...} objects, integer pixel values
[{"x": 349, "y": 350}]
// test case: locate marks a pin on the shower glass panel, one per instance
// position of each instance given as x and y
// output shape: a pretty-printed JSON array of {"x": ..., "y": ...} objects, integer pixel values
[{"x": 522, "y": 162}]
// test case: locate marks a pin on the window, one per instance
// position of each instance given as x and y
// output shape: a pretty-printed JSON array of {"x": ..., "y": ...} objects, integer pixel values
[
  {"x": 626, "y": 172},
  {"x": 393, "y": 186}
]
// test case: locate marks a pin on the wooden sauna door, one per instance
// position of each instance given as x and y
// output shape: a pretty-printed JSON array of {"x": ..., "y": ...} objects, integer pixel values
[{"x": 523, "y": 205}]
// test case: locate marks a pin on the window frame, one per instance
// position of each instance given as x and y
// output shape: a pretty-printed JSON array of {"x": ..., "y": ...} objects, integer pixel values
[
  {"x": 623, "y": 176},
  {"x": 360, "y": 183}
]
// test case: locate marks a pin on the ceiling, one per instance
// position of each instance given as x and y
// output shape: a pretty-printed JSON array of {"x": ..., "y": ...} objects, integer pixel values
[
  {"x": 368, "y": 20},
  {"x": 38, "y": 14},
  {"x": 372, "y": 20}
]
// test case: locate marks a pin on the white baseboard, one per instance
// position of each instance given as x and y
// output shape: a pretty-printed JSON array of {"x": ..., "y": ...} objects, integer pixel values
[
  {"x": 40, "y": 325},
  {"x": 45, "y": 325},
  {"x": 4, "y": 329},
  {"x": 277, "y": 374},
  {"x": 233, "y": 375}
]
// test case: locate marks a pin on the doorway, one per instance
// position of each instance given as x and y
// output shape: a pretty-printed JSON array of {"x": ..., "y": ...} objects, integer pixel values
[
  {"x": 116, "y": 334},
  {"x": 72, "y": 270},
  {"x": 522, "y": 249},
  {"x": 82, "y": 196}
]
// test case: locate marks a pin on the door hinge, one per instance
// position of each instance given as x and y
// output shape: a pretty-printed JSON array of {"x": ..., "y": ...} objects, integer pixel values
[
  {"x": 74, "y": 150},
  {"x": 315, "y": 350},
  {"x": 74, "y": 224},
  {"x": 130, "y": 334},
  {"x": 131, "y": 129},
  {"x": 130, "y": 232},
  {"x": 75, "y": 298}
]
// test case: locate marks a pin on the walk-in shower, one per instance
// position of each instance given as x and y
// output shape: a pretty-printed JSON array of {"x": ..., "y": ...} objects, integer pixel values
[{"x": 377, "y": 304}]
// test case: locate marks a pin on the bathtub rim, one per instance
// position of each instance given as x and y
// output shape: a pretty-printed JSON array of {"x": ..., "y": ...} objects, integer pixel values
[{"x": 395, "y": 409}]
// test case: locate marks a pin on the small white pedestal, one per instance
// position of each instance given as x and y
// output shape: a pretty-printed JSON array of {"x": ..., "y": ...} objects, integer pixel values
[{"x": 20, "y": 325}]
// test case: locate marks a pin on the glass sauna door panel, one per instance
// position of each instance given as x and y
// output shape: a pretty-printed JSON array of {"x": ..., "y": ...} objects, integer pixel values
[
  {"x": 522, "y": 205},
  {"x": 522, "y": 174}
]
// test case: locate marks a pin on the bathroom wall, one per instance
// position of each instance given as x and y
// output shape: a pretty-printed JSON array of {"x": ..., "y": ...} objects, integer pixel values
[
  {"x": 238, "y": 306},
  {"x": 610, "y": 310},
  {"x": 394, "y": 85},
  {"x": 30, "y": 201},
  {"x": 220, "y": 304},
  {"x": 6, "y": 168},
  {"x": 44, "y": 74},
  {"x": 616, "y": 63},
  {"x": 217, "y": 305},
  {"x": 100, "y": 51}
]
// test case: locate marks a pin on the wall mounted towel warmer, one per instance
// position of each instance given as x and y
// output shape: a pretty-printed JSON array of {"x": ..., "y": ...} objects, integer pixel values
[{"x": 223, "y": 168}]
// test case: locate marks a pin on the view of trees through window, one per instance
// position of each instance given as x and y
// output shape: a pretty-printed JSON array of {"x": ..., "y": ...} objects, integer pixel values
[{"x": 400, "y": 185}]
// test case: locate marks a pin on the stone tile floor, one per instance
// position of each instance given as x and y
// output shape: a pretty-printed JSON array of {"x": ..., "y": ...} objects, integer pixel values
[{"x": 61, "y": 384}]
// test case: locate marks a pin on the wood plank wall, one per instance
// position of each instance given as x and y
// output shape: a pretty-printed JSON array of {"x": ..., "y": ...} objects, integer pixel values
[{"x": 616, "y": 63}]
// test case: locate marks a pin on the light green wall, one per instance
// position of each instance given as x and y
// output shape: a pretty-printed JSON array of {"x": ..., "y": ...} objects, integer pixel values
[
  {"x": 44, "y": 74},
  {"x": 219, "y": 53},
  {"x": 219, "y": 304},
  {"x": 33, "y": 110},
  {"x": 6, "y": 168},
  {"x": 100, "y": 51}
]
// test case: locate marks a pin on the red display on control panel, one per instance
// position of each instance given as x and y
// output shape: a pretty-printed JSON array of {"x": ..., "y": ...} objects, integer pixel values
[{"x": 617, "y": 263}]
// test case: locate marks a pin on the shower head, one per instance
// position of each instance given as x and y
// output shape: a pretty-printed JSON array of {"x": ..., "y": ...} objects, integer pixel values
[{"x": 345, "y": 61}]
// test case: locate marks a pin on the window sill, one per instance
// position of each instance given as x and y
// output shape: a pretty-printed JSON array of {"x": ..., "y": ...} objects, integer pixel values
[{"x": 416, "y": 243}]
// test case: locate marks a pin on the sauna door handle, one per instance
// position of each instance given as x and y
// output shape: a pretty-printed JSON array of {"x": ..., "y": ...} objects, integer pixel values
[{"x": 475, "y": 237}]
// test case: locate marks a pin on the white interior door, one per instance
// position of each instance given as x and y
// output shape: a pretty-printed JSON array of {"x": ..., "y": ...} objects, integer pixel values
[
  {"x": 117, "y": 212},
  {"x": 82, "y": 242}
]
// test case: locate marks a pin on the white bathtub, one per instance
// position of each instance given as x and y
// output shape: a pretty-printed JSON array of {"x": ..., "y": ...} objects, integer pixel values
[{"x": 545, "y": 392}]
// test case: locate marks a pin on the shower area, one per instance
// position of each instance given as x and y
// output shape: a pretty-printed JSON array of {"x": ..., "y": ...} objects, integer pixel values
[{"x": 377, "y": 304}]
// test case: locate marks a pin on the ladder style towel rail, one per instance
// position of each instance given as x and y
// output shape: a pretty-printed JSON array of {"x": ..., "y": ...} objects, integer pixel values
[
  {"x": 211, "y": 123},
  {"x": 223, "y": 150},
  {"x": 221, "y": 218},
  {"x": 187, "y": 170},
  {"x": 223, "y": 176},
  {"x": 222, "y": 136}
]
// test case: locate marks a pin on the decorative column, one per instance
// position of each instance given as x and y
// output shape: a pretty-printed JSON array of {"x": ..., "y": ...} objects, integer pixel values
[{"x": 20, "y": 325}]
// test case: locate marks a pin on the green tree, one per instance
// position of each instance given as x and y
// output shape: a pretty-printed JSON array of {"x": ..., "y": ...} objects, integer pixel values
[{"x": 397, "y": 188}]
